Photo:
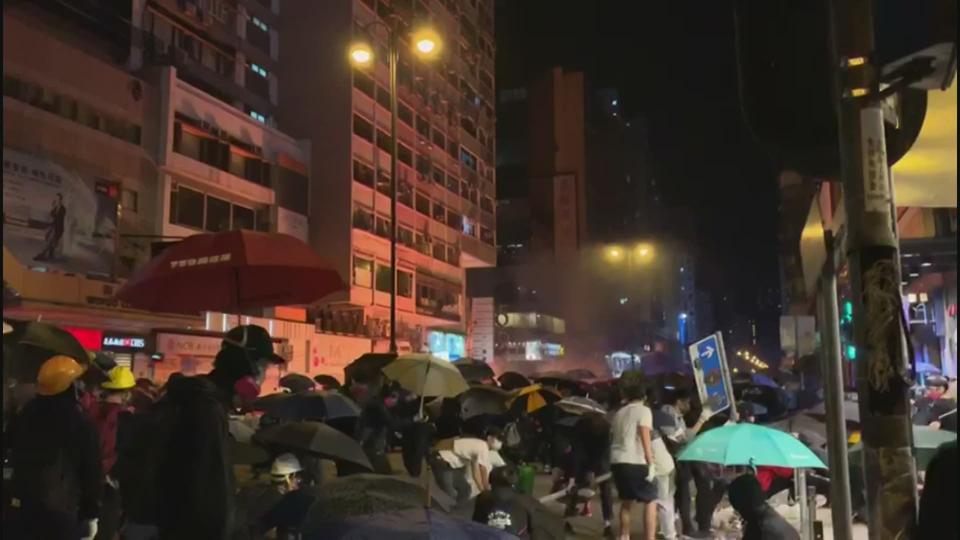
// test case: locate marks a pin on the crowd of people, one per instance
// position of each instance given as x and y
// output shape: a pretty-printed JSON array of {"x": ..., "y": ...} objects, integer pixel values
[{"x": 95, "y": 453}]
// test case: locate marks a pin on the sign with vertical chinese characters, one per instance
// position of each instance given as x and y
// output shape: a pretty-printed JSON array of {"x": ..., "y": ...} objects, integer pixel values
[{"x": 876, "y": 177}]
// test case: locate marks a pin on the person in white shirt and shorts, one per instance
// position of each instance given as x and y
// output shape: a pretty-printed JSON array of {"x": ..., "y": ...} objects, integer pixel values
[{"x": 632, "y": 460}]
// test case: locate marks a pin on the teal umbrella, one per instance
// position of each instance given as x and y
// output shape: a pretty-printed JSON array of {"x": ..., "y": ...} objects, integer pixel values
[
  {"x": 925, "y": 443},
  {"x": 750, "y": 444}
]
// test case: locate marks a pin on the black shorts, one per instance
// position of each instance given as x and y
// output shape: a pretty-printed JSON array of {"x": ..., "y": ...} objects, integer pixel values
[{"x": 632, "y": 484}]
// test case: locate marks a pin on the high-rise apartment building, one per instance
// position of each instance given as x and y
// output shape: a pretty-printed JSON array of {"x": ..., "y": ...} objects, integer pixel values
[{"x": 445, "y": 131}]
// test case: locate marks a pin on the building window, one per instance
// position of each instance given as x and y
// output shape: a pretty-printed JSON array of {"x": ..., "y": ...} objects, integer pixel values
[
  {"x": 383, "y": 141},
  {"x": 423, "y": 204},
  {"x": 454, "y": 221},
  {"x": 218, "y": 215},
  {"x": 423, "y": 127},
  {"x": 363, "y": 219},
  {"x": 468, "y": 159},
  {"x": 439, "y": 212},
  {"x": 383, "y": 227},
  {"x": 404, "y": 154},
  {"x": 439, "y": 251},
  {"x": 438, "y": 175},
  {"x": 364, "y": 83},
  {"x": 243, "y": 218},
  {"x": 186, "y": 207},
  {"x": 259, "y": 70},
  {"x": 362, "y": 128},
  {"x": 439, "y": 140},
  {"x": 383, "y": 98},
  {"x": 423, "y": 165},
  {"x": 405, "y": 114},
  {"x": 258, "y": 35},
  {"x": 362, "y": 272},
  {"x": 383, "y": 277},
  {"x": 405, "y": 193},
  {"x": 260, "y": 24},
  {"x": 405, "y": 236},
  {"x": 130, "y": 201},
  {"x": 258, "y": 117},
  {"x": 404, "y": 284},
  {"x": 363, "y": 173}
]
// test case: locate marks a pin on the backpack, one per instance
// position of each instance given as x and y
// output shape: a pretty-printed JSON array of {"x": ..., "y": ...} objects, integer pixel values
[{"x": 511, "y": 436}]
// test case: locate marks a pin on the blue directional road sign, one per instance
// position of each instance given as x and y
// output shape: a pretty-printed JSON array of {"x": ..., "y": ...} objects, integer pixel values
[{"x": 711, "y": 373}]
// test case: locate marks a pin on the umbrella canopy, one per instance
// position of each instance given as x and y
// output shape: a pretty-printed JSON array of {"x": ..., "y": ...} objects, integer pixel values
[
  {"x": 809, "y": 428},
  {"x": 232, "y": 272},
  {"x": 564, "y": 383},
  {"x": 581, "y": 374},
  {"x": 53, "y": 340},
  {"x": 474, "y": 370},
  {"x": 426, "y": 375},
  {"x": 774, "y": 399},
  {"x": 851, "y": 412},
  {"x": 413, "y": 524},
  {"x": 362, "y": 494},
  {"x": 297, "y": 383},
  {"x": 764, "y": 380},
  {"x": 327, "y": 382},
  {"x": 927, "y": 368},
  {"x": 244, "y": 453},
  {"x": 483, "y": 399},
  {"x": 367, "y": 368},
  {"x": 580, "y": 405},
  {"x": 750, "y": 444},
  {"x": 328, "y": 405},
  {"x": 532, "y": 398},
  {"x": 314, "y": 438},
  {"x": 511, "y": 380},
  {"x": 925, "y": 443}
]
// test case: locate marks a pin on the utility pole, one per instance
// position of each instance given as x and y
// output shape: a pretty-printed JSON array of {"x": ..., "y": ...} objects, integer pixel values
[
  {"x": 832, "y": 369},
  {"x": 872, "y": 252}
]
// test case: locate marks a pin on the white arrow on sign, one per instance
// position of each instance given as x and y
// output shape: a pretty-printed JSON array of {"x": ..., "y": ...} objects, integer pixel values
[{"x": 709, "y": 352}]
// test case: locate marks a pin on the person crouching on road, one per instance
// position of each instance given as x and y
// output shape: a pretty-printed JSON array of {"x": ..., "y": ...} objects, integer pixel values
[
  {"x": 288, "y": 514},
  {"x": 106, "y": 416},
  {"x": 463, "y": 470},
  {"x": 57, "y": 477}
]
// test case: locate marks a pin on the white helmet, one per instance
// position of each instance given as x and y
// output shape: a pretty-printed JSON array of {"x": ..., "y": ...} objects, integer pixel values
[{"x": 285, "y": 465}]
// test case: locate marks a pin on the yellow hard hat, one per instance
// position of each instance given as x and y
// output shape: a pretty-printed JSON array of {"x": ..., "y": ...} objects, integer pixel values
[
  {"x": 121, "y": 378},
  {"x": 57, "y": 374},
  {"x": 854, "y": 438}
]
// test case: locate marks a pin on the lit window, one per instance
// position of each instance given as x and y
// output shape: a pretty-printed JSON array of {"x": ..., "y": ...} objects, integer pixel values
[
  {"x": 260, "y": 24},
  {"x": 258, "y": 117},
  {"x": 258, "y": 69}
]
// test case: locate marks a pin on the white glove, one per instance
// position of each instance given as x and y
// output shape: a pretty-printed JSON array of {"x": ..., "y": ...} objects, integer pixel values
[
  {"x": 651, "y": 474},
  {"x": 706, "y": 414},
  {"x": 90, "y": 531}
]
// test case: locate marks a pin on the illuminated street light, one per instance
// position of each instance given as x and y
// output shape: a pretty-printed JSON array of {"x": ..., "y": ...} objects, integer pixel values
[
  {"x": 426, "y": 45},
  {"x": 614, "y": 254}
]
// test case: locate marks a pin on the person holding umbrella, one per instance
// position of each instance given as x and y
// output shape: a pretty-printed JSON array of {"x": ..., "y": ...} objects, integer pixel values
[{"x": 57, "y": 475}]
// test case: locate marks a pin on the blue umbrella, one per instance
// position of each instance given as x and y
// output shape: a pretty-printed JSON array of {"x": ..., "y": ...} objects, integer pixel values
[
  {"x": 927, "y": 368},
  {"x": 415, "y": 524}
]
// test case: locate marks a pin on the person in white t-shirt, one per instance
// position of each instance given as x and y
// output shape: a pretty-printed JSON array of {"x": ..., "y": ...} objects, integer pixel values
[
  {"x": 463, "y": 470},
  {"x": 633, "y": 461}
]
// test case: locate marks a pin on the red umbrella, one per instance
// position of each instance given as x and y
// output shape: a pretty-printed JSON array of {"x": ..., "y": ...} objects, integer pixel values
[{"x": 231, "y": 272}]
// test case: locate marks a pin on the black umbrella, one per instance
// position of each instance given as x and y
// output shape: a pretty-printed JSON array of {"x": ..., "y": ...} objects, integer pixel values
[
  {"x": 474, "y": 370},
  {"x": 774, "y": 399},
  {"x": 813, "y": 432},
  {"x": 297, "y": 383},
  {"x": 851, "y": 412},
  {"x": 327, "y": 405},
  {"x": 247, "y": 454},
  {"x": 483, "y": 399},
  {"x": 328, "y": 382},
  {"x": 314, "y": 438},
  {"x": 367, "y": 368},
  {"x": 581, "y": 374},
  {"x": 54, "y": 340},
  {"x": 362, "y": 494},
  {"x": 511, "y": 380},
  {"x": 572, "y": 386}
]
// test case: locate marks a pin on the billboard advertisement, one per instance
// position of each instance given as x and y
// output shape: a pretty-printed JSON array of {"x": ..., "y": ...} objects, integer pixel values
[
  {"x": 57, "y": 219},
  {"x": 446, "y": 345}
]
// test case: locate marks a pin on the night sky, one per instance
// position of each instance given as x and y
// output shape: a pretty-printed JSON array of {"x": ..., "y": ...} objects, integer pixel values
[{"x": 675, "y": 65}]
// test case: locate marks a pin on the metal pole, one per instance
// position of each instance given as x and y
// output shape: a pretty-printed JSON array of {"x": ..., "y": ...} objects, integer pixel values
[
  {"x": 811, "y": 496},
  {"x": 800, "y": 491},
  {"x": 394, "y": 58},
  {"x": 882, "y": 380},
  {"x": 831, "y": 365}
]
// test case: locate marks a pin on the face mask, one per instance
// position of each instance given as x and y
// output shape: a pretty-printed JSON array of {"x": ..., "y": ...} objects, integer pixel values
[
  {"x": 390, "y": 401},
  {"x": 247, "y": 389}
]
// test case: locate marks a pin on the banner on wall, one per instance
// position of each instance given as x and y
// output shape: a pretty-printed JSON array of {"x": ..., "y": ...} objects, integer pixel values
[
  {"x": 57, "y": 219},
  {"x": 292, "y": 223}
]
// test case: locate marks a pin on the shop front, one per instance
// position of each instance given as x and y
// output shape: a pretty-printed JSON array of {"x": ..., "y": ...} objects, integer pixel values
[{"x": 126, "y": 349}]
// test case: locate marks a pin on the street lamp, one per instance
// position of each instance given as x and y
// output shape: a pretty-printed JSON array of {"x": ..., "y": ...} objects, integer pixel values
[{"x": 426, "y": 45}]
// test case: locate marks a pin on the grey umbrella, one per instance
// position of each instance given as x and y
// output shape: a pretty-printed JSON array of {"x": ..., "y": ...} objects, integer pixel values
[
  {"x": 851, "y": 411},
  {"x": 483, "y": 399},
  {"x": 362, "y": 494},
  {"x": 314, "y": 438},
  {"x": 811, "y": 430},
  {"x": 297, "y": 383}
]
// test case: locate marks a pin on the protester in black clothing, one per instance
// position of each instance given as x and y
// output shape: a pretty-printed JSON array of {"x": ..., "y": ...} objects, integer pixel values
[
  {"x": 938, "y": 502},
  {"x": 416, "y": 444},
  {"x": 374, "y": 425},
  {"x": 500, "y": 508},
  {"x": 591, "y": 459},
  {"x": 55, "y": 452},
  {"x": 761, "y": 522}
]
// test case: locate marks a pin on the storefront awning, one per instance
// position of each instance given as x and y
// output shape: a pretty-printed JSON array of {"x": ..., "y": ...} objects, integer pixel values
[{"x": 927, "y": 176}]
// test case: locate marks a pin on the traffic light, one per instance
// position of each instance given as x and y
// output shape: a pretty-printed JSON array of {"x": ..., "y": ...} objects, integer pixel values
[
  {"x": 846, "y": 331},
  {"x": 786, "y": 80}
]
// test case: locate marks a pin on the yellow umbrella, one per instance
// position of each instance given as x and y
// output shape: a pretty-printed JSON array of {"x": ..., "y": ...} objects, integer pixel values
[{"x": 533, "y": 398}]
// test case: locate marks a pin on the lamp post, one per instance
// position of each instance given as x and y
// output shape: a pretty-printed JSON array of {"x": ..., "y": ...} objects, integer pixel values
[{"x": 426, "y": 45}]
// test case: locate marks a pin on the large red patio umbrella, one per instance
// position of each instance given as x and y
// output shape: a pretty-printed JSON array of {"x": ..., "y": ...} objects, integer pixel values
[{"x": 231, "y": 272}]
